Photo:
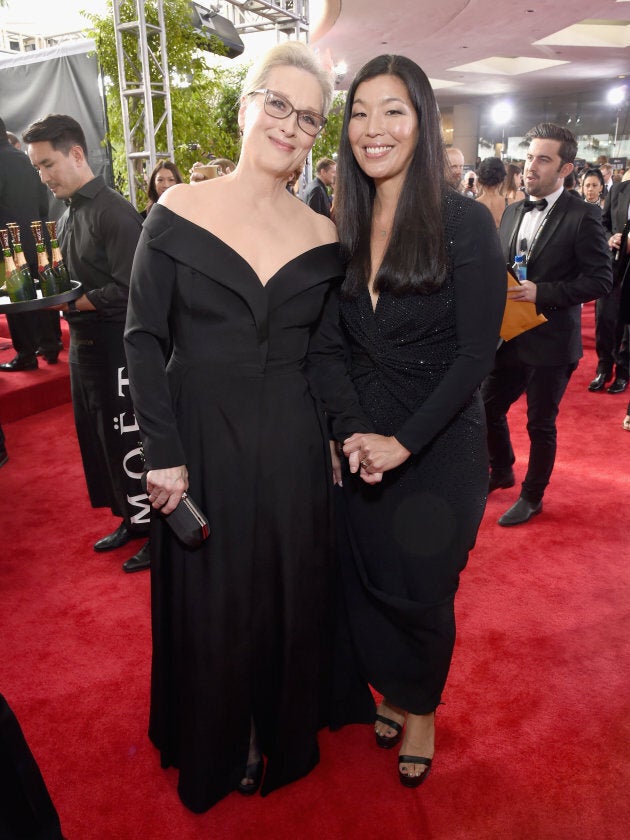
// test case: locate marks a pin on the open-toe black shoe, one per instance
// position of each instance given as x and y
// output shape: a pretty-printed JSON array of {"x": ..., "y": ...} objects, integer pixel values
[
  {"x": 385, "y": 741},
  {"x": 413, "y": 781},
  {"x": 253, "y": 774}
]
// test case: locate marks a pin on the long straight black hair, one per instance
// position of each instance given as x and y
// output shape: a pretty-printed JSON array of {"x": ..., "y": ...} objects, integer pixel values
[{"x": 415, "y": 259}]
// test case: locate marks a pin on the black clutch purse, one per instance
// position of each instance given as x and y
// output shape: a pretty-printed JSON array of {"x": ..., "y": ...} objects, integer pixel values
[{"x": 187, "y": 521}]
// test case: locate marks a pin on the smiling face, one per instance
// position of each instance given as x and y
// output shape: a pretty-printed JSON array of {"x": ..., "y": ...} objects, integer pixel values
[
  {"x": 544, "y": 171},
  {"x": 163, "y": 180},
  {"x": 383, "y": 128},
  {"x": 280, "y": 145}
]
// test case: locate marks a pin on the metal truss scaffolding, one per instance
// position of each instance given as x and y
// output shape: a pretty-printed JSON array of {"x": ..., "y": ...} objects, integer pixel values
[
  {"x": 141, "y": 50},
  {"x": 144, "y": 89}
]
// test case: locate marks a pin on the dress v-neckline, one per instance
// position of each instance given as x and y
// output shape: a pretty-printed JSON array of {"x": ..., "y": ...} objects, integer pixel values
[{"x": 242, "y": 259}]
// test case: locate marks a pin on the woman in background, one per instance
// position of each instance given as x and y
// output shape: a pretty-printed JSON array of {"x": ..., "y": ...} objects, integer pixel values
[
  {"x": 164, "y": 176},
  {"x": 491, "y": 176},
  {"x": 593, "y": 187},
  {"x": 512, "y": 189},
  {"x": 421, "y": 308}
]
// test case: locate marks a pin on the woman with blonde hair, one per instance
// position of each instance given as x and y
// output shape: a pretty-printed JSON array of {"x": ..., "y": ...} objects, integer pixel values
[{"x": 237, "y": 277}]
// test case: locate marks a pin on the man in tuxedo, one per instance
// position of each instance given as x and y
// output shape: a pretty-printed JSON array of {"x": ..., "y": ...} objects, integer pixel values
[
  {"x": 611, "y": 334},
  {"x": 568, "y": 263},
  {"x": 316, "y": 195},
  {"x": 607, "y": 172}
]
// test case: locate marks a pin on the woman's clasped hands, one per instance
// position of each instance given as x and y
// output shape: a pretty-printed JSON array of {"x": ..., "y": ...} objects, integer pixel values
[{"x": 371, "y": 455}]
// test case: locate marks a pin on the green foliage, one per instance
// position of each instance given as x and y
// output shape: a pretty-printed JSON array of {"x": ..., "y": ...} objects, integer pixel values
[
  {"x": 204, "y": 100},
  {"x": 327, "y": 142}
]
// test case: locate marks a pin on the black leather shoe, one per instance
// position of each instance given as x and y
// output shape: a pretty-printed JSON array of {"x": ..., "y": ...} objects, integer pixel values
[
  {"x": 52, "y": 360},
  {"x": 20, "y": 364},
  {"x": 141, "y": 560},
  {"x": 500, "y": 480},
  {"x": 599, "y": 383},
  {"x": 120, "y": 537},
  {"x": 54, "y": 351},
  {"x": 3, "y": 457},
  {"x": 521, "y": 511},
  {"x": 618, "y": 386}
]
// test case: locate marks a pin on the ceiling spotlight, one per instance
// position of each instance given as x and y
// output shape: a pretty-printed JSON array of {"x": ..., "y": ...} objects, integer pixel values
[
  {"x": 502, "y": 112},
  {"x": 616, "y": 95}
]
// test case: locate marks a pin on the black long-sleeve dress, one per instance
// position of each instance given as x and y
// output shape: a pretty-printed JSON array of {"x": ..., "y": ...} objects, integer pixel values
[
  {"x": 416, "y": 364},
  {"x": 242, "y": 625}
]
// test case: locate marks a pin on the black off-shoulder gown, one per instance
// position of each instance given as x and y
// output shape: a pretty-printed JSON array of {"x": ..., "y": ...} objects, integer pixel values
[
  {"x": 416, "y": 363},
  {"x": 242, "y": 625}
]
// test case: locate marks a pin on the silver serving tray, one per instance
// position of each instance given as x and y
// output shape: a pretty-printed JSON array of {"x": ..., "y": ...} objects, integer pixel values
[{"x": 40, "y": 302}]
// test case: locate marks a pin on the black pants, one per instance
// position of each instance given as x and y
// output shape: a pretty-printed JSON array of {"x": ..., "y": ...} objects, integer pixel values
[
  {"x": 611, "y": 335},
  {"x": 108, "y": 434},
  {"x": 30, "y": 330},
  {"x": 545, "y": 387}
]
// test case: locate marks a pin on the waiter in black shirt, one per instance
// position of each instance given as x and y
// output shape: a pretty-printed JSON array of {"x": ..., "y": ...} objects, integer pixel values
[{"x": 98, "y": 236}]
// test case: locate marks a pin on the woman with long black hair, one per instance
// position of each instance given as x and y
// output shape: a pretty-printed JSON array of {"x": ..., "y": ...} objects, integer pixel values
[{"x": 421, "y": 308}]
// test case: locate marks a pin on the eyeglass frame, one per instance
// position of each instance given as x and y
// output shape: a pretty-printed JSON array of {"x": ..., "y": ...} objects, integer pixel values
[{"x": 299, "y": 111}]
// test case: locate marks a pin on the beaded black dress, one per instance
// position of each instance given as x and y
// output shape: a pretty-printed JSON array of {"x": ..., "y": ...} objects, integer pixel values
[{"x": 416, "y": 364}]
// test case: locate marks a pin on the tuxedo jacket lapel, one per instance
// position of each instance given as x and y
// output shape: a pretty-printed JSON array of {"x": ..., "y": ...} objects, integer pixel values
[{"x": 545, "y": 235}]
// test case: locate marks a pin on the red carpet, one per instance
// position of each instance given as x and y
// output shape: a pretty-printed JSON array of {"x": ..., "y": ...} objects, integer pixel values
[
  {"x": 532, "y": 742},
  {"x": 27, "y": 392}
]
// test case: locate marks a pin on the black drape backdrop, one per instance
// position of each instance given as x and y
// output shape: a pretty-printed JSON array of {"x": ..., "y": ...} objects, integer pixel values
[{"x": 64, "y": 80}]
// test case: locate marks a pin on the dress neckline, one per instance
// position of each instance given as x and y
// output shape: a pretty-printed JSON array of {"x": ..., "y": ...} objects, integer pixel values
[{"x": 239, "y": 256}]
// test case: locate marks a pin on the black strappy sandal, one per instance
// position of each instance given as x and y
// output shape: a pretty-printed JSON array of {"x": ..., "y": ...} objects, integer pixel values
[
  {"x": 413, "y": 781},
  {"x": 253, "y": 774},
  {"x": 384, "y": 741}
]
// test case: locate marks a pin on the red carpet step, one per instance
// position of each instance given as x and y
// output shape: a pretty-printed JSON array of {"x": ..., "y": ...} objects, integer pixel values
[{"x": 28, "y": 392}]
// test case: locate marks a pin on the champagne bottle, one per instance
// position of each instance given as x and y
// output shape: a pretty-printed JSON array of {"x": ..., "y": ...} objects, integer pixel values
[
  {"x": 48, "y": 280},
  {"x": 20, "y": 262},
  {"x": 13, "y": 279},
  {"x": 58, "y": 265}
]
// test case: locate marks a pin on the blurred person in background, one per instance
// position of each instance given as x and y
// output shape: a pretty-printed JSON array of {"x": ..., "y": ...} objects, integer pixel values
[
  {"x": 164, "y": 175},
  {"x": 512, "y": 186},
  {"x": 593, "y": 187},
  {"x": 491, "y": 177},
  {"x": 454, "y": 167}
]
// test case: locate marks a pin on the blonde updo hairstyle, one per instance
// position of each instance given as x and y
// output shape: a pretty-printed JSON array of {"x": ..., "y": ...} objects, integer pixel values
[{"x": 290, "y": 54}]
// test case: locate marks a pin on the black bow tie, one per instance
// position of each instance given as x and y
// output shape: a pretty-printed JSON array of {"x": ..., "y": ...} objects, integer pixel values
[{"x": 529, "y": 205}]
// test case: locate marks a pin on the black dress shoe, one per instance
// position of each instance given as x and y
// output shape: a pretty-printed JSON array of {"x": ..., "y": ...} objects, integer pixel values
[
  {"x": 20, "y": 363},
  {"x": 500, "y": 480},
  {"x": 3, "y": 457},
  {"x": 618, "y": 386},
  {"x": 599, "y": 383},
  {"x": 52, "y": 360},
  {"x": 54, "y": 351},
  {"x": 521, "y": 511},
  {"x": 120, "y": 537},
  {"x": 141, "y": 560}
]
